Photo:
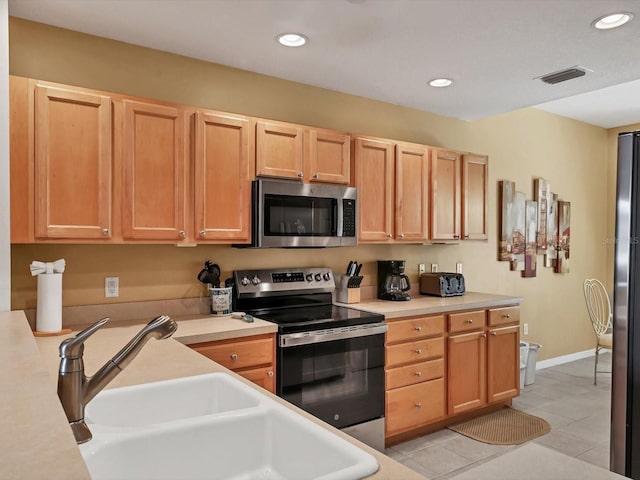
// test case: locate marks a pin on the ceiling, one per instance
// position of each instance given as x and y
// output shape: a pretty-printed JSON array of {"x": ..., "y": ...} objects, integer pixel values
[{"x": 389, "y": 49}]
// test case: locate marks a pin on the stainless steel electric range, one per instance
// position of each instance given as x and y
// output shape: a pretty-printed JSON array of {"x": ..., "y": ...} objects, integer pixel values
[{"x": 330, "y": 359}]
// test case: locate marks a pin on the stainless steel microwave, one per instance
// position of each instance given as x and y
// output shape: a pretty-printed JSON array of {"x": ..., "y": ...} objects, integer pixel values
[{"x": 290, "y": 214}]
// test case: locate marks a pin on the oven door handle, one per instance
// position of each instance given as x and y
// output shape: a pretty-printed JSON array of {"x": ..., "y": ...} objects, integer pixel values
[{"x": 331, "y": 334}]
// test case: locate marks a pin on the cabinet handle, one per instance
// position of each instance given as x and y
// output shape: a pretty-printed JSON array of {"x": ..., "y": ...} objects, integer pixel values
[
  {"x": 270, "y": 373},
  {"x": 181, "y": 234},
  {"x": 418, "y": 374},
  {"x": 470, "y": 321},
  {"x": 418, "y": 329},
  {"x": 418, "y": 405},
  {"x": 506, "y": 315},
  {"x": 203, "y": 233},
  {"x": 300, "y": 175},
  {"x": 105, "y": 231},
  {"x": 418, "y": 351},
  {"x": 456, "y": 237},
  {"x": 234, "y": 356},
  {"x": 494, "y": 333},
  {"x": 315, "y": 175},
  {"x": 484, "y": 335},
  {"x": 466, "y": 237},
  {"x": 388, "y": 235},
  {"x": 401, "y": 235}
]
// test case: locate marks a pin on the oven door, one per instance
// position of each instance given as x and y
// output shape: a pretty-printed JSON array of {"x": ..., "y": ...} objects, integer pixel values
[{"x": 335, "y": 374}]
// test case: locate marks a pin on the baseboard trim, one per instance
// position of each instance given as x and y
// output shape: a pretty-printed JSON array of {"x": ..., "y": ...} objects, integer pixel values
[{"x": 552, "y": 362}]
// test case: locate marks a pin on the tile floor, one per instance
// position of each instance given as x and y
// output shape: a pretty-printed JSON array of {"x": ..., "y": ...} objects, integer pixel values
[{"x": 564, "y": 395}]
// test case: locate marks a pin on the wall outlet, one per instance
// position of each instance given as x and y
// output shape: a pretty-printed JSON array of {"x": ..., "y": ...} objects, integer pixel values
[
  {"x": 421, "y": 269},
  {"x": 459, "y": 267},
  {"x": 525, "y": 329},
  {"x": 434, "y": 268},
  {"x": 111, "y": 287}
]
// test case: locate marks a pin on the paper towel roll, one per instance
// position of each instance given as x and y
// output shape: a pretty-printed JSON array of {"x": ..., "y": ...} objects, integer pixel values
[{"x": 49, "y": 303}]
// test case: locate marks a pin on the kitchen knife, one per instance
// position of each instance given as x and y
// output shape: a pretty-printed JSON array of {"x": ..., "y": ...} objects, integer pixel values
[
  {"x": 349, "y": 267},
  {"x": 358, "y": 268}
]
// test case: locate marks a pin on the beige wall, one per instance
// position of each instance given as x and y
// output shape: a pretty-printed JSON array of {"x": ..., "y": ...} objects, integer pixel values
[{"x": 521, "y": 145}]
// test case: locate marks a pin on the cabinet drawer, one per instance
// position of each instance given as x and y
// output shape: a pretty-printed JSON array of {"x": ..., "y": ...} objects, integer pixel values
[
  {"x": 415, "y": 373},
  {"x": 462, "y": 322},
  {"x": 235, "y": 354},
  {"x": 417, "y": 351},
  {"x": 419, "y": 327},
  {"x": 262, "y": 376},
  {"x": 410, "y": 407},
  {"x": 501, "y": 316}
]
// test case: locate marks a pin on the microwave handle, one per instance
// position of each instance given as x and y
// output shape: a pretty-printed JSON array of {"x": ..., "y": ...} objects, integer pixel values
[{"x": 335, "y": 219}]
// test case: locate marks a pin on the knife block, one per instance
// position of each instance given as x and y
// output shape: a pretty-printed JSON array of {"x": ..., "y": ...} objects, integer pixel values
[{"x": 344, "y": 294}]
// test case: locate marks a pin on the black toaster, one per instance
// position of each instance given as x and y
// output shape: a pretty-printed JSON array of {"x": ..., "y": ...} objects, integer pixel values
[{"x": 442, "y": 284}]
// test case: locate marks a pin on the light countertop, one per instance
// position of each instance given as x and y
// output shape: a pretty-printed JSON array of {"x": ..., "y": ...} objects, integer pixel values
[
  {"x": 37, "y": 441},
  {"x": 430, "y": 305}
]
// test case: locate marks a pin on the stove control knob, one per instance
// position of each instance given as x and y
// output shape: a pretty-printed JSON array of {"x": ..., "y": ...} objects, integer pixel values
[
  {"x": 326, "y": 276},
  {"x": 255, "y": 280},
  {"x": 318, "y": 277},
  {"x": 245, "y": 281},
  {"x": 309, "y": 277}
]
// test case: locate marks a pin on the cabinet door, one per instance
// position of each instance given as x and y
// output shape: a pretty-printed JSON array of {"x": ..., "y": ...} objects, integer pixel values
[
  {"x": 474, "y": 197},
  {"x": 412, "y": 193},
  {"x": 445, "y": 195},
  {"x": 279, "y": 150},
  {"x": 503, "y": 363},
  {"x": 373, "y": 160},
  {"x": 466, "y": 373},
  {"x": 263, "y": 377},
  {"x": 328, "y": 157},
  {"x": 223, "y": 146},
  {"x": 73, "y": 162},
  {"x": 153, "y": 186}
]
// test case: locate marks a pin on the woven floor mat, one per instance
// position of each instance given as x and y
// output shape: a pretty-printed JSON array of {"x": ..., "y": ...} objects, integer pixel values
[{"x": 504, "y": 427}]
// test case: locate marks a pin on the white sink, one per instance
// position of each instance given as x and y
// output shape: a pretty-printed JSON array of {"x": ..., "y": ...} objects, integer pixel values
[
  {"x": 261, "y": 438},
  {"x": 170, "y": 400}
]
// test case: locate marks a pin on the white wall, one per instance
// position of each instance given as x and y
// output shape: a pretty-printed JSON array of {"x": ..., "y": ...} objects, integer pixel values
[{"x": 5, "y": 249}]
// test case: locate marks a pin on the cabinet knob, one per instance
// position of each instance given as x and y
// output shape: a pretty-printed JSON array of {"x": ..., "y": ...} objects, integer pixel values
[
  {"x": 203, "y": 233},
  {"x": 466, "y": 237},
  {"x": 315, "y": 175},
  {"x": 470, "y": 320},
  {"x": 418, "y": 405},
  {"x": 234, "y": 356},
  {"x": 418, "y": 351},
  {"x": 105, "y": 231},
  {"x": 300, "y": 175},
  {"x": 181, "y": 233},
  {"x": 418, "y": 329},
  {"x": 418, "y": 374},
  {"x": 484, "y": 335},
  {"x": 270, "y": 373},
  {"x": 494, "y": 333},
  {"x": 507, "y": 315},
  {"x": 401, "y": 235},
  {"x": 456, "y": 237},
  {"x": 388, "y": 235}
]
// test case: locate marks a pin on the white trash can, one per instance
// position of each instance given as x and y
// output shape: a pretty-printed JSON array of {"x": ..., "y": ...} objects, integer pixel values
[
  {"x": 524, "y": 358},
  {"x": 532, "y": 359}
]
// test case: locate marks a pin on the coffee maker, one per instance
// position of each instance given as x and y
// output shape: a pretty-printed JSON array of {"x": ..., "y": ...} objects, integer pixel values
[{"x": 392, "y": 282}]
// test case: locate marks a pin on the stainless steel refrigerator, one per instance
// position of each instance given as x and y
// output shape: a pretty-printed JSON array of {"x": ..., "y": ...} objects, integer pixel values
[{"x": 625, "y": 387}]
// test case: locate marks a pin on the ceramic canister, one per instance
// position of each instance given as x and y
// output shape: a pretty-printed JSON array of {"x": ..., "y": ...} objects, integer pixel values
[{"x": 220, "y": 301}]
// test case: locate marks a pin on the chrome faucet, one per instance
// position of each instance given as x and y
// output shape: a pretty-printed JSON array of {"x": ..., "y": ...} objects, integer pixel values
[{"x": 76, "y": 390}]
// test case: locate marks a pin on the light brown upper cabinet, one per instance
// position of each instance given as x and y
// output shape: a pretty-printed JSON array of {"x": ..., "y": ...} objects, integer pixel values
[
  {"x": 445, "y": 195},
  {"x": 285, "y": 150},
  {"x": 223, "y": 146},
  {"x": 412, "y": 193},
  {"x": 73, "y": 164},
  {"x": 154, "y": 164},
  {"x": 373, "y": 171},
  {"x": 393, "y": 183},
  {"x": 474, "y": 196},
  {"x": 328, "y": 157},
  {"x": 279, "y": 150}
]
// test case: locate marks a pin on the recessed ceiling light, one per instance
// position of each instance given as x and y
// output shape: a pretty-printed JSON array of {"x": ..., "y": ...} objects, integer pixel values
[
  {"x": 291, "y": 39},
  {"x": 612, "y": 20},
  {"x": 440, "y": 82}
]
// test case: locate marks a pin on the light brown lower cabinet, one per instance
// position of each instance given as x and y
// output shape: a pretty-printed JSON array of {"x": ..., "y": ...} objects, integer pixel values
[
  {"x": 443, "y": 368},
  {"x": 250, "y": 357}
]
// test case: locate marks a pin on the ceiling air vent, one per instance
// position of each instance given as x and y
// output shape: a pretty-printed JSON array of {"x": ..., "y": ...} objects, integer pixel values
[{"x": 563, "y": 75}]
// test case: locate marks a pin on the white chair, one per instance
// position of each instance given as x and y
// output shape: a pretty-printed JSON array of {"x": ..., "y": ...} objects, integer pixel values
[{"x": 599, "y": 308}]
